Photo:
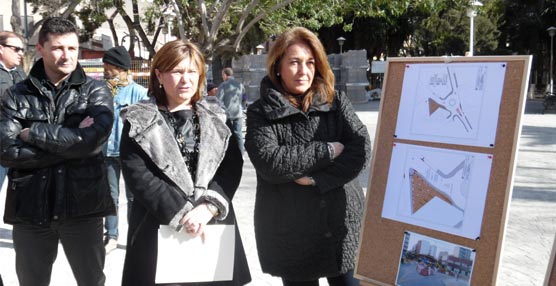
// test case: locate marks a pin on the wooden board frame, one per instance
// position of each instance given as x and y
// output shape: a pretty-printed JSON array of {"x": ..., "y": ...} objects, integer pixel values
[
  {"x": 550, "y": 279},
  {"x": 381, "y": 239}
]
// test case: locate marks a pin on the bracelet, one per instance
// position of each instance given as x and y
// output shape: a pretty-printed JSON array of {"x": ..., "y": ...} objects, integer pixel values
[
  {"x": 313, "y": 183},
  {"x": 331, "y": 151},
  {"x": 212, "y": 209}
]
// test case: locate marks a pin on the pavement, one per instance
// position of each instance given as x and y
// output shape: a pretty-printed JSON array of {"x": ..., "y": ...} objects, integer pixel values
[{"x": 528, "y": 237}]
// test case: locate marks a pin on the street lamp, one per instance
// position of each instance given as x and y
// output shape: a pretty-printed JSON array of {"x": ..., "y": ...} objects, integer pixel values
[
  {"x": 259, "y": 49},
  {"x": 341, "y": 41},
  {"x": 551, "y": 32},
  {"x": 169, "y": 16},
  {"x": 471, "y": 13},
  {"x": 133, "y": 37}
]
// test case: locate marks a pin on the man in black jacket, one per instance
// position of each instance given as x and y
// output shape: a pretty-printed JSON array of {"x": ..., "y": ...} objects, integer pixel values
[
  {"x": 11, "y": 54},
  {"x": 52, "y": 128}
]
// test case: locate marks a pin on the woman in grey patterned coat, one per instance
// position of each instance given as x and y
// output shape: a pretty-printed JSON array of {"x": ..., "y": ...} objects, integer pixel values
[{"x": 308, "y": 147}]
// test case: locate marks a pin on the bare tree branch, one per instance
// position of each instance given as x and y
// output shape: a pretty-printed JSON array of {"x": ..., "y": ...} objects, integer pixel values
[
  {"x": 112, "y": 27},
  {"x": 257, "y": 19},
  {"x": 245, "y": 14},
  {"x": 217, "y": 20},
  {"x": 204, "y": 23},
  {"x": 70, "y": 9},
  {"x": 137, "y": 27}
]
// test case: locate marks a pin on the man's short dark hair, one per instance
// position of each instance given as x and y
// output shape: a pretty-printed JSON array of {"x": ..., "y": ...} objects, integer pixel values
[
  {"x": 228, "y": 71},
  {"x": 57, "y": 26}
]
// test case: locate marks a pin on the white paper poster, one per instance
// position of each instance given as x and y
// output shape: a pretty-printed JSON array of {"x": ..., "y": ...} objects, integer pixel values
[
  {"x": 455, "y": 103},
  {"x": 183, "y": 258},
  {"x": 439, "y": 189}
]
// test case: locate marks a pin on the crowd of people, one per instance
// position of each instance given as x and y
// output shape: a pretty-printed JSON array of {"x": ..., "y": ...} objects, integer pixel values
[{"x": 65, "y": 139}]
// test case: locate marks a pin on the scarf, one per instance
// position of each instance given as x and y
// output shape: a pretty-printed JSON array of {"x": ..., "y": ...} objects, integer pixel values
[{"x": 115, "y": 83}]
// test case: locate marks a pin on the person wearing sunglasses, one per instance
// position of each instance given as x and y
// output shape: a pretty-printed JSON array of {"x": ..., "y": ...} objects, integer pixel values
[{"x": 11, "y": 54}]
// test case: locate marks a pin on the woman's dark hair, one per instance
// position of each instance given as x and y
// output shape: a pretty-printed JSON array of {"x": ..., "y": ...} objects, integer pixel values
[
  {"x": 323, "y": 81},
  {"x": 57, "y": 26},
  {"x": 168, "y": 57}
]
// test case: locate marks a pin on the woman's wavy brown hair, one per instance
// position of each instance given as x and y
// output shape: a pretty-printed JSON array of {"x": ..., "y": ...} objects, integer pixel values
[
  {"x": 323, "y": 81},
  {"x": 167, "y": 58}
]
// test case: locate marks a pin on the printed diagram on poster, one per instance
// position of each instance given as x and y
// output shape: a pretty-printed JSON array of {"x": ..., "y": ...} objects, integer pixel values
[
  {"x": 440, "y": 189},
  {"x": 433, "y": 262},
  {"x": 455, "y": 103}
]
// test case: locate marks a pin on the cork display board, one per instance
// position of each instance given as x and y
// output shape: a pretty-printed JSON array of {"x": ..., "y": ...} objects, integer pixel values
[{"x": 442, "y": 169}]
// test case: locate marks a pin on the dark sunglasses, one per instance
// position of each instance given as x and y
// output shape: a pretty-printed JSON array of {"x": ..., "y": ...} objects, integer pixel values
[{"x": 14, "y": 48}]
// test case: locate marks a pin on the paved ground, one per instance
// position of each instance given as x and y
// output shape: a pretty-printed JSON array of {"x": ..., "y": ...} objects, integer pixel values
[{"x": 528, "y": 239}]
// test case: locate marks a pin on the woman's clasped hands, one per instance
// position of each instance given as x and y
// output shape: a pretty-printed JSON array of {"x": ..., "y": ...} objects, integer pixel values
[
  {"x": 194, "y": 221},
  {"x": 338, "y": 148}
]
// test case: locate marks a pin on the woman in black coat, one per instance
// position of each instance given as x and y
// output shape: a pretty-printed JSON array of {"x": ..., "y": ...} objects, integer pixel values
[
  {"x": 308, "y": 147},
  {"x": 180, "y": 161}
]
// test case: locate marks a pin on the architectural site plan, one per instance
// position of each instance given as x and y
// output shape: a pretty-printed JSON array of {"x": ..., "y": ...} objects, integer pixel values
[
  {"x": 455, "y": 103},
  {"x": 439, "y": 189}
]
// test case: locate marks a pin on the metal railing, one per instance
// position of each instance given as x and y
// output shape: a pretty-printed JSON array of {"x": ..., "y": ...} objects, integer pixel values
[{"x": 139, "y": 70}]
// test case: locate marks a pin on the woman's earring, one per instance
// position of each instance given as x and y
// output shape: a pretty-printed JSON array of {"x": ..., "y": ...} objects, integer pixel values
[
  {"x": 160, "y": 85},
  {"x": 278, "y": 74}
]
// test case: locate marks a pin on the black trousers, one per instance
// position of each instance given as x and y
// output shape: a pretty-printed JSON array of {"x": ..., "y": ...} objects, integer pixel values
[{"x": 36, "y": 249}]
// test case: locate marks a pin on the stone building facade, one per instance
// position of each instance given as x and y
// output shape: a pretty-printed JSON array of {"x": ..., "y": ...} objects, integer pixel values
[{"x": 350, "y": 70}]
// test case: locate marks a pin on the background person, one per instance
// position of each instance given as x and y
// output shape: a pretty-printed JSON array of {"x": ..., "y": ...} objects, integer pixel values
[
  {"x": 11, "y": 55},
  {"x": 125, "y": 91},
  {"x": 212, "y": 90},
  {"x": 232, "y": 94},
  {"x": 52, "y": 129},
  {"x": 308, "y": 147},
  {"x": 183, "y": 170}
]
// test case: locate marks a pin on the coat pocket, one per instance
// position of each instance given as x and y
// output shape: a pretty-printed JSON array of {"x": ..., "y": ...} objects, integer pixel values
[
  {"x": 26, "y": 115},
  {"x": 27, "y": 196}
]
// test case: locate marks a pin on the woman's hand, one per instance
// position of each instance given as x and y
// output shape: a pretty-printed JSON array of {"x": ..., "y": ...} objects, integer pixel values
[
  {"x": 338, "y": 148},
  {"x": 305, "y": 181},
  {"x": 194, "y": 221}
]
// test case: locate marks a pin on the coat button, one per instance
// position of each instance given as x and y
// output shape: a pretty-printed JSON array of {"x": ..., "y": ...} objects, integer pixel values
[
  {"x": 322, "y": 203},
  {"x": 328, "y": 234},
  {"x": 55, "y": 217}
]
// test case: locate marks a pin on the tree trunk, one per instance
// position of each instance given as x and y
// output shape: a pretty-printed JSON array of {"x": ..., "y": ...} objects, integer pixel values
[{"x": 15, "y": 20}]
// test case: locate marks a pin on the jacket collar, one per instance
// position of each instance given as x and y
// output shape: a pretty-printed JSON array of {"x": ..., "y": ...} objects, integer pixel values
[
  {"x": 2, "y": 66},
  {"x": 154, "y": 136},
  {"x": 277, "y": 106},
  {"x": 38, "y": 75}
]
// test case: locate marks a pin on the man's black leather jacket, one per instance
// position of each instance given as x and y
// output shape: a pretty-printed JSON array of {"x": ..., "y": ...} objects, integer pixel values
[{"x": 60, "y": 173}]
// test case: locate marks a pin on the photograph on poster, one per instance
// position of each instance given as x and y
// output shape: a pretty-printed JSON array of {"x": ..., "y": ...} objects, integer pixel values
[
  {"x": 455, "y": 103},
  {"x": 439, "y": 189},
  {"x": 433, "y": 262}
]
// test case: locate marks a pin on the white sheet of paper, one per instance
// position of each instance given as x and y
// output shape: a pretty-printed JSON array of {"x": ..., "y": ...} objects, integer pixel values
[{"x": 184, "y": 258}]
